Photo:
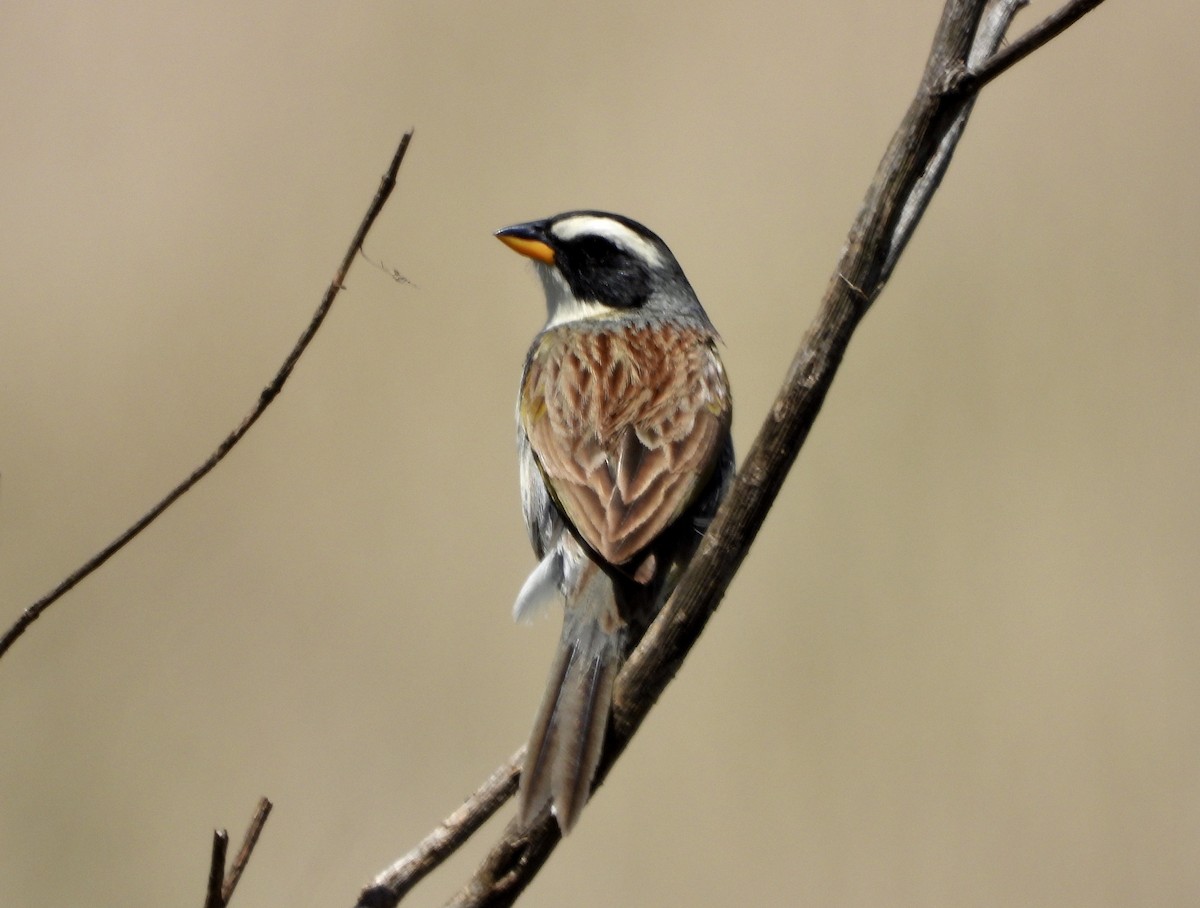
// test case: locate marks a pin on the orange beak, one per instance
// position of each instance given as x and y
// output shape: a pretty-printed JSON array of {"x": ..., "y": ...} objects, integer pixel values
[{"x": 527, "y": 239}]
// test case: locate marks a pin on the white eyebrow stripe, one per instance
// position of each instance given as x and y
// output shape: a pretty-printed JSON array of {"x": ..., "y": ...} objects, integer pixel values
[{"x": 614, "y": 231}]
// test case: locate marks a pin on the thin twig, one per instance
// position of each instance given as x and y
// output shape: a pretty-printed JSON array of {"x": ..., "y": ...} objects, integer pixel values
[
  {"x": 910, "y": 172},
  {"x": 269, "y": 393},
  {"x": 392, "y": 884},
  {"x": 216, "y": 870},
  {"x": 992, "y": 25},
  {"x": 243, "y": 856},
  {"x": 1042, "y": 33}
]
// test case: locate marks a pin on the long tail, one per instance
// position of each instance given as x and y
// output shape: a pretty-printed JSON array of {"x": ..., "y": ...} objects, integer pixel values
[{"x": 568, "y": 734}]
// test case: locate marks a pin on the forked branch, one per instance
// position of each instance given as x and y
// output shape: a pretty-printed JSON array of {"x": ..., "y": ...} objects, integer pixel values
[{"x": 221, "y": 884}]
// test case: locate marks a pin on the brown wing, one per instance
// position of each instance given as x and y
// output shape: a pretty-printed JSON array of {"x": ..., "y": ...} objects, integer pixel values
[{"x": 626, "y": 427}]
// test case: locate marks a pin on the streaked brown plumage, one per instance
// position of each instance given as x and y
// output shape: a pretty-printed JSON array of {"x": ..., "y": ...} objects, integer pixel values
[{"x": 626, "y": 425}]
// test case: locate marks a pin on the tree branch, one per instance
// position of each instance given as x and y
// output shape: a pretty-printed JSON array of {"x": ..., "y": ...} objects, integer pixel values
[
  {"x": 269, "y": 393},
  {"x": 963, "y": 59},
  {"x": 216, "y": 870},
  {"x": 253, "y": 831},
  {"x": 989, "y": 30},
  {"x": 981, "y": 73}
]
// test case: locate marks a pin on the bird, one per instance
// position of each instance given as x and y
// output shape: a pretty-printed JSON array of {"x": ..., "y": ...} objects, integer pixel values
[{"x": 625, "y": 452}]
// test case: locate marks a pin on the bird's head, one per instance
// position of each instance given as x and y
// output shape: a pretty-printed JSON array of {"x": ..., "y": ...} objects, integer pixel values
[{"x": 599, "y": 265}]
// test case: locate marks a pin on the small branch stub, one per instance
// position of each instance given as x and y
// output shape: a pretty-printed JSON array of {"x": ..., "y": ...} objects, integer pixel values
[{"x": 221, "y": 885}]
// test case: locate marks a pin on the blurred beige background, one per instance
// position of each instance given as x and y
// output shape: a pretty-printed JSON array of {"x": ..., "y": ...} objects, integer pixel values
[{"x": 960, "y": 665}]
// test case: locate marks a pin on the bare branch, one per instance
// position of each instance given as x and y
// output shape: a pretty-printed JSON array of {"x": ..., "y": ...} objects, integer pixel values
[
  {"x": 1051, "y": 27},
  {"x": 989, "y": 31},
  {"x": 269, "y": 393},
  {"x": 220, "y": 885},
  {"x": 392, "y": 884},
  {"x": 243, "y": 856}
]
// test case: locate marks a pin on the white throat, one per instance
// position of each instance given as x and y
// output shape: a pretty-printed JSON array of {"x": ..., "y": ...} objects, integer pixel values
[{"x": 562, "y": 306}]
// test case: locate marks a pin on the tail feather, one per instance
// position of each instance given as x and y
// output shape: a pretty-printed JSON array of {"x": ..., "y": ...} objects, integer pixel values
[
  {"x": 582, "y": 736},
  {"x": 536, "y": 793},
  {"x": 568, "y": 733}
]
